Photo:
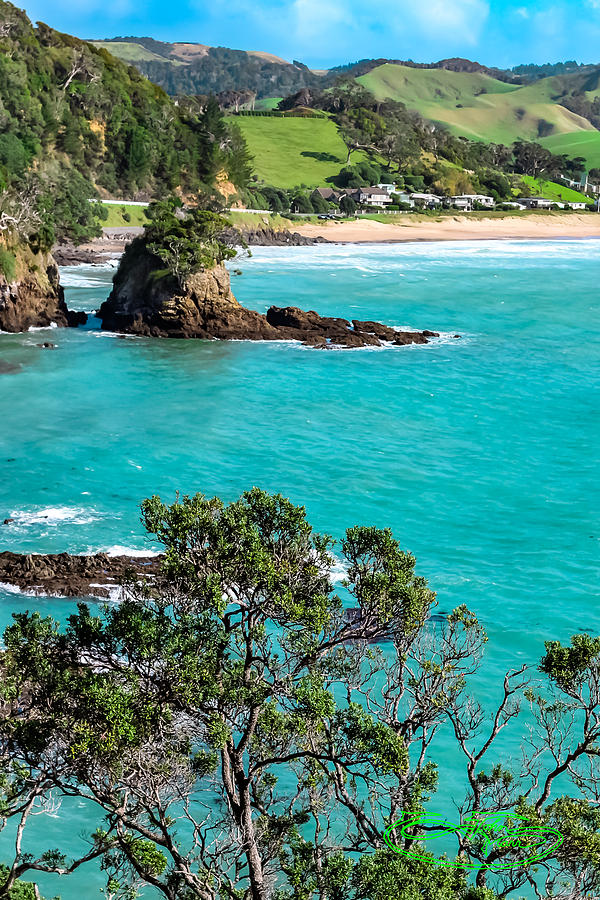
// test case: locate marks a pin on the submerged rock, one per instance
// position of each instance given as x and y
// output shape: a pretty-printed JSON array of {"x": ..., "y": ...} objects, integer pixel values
[
  {"x": 147, "y": 301},
  {"x": 73, "y": 576},
  {"x": 33, "y": 298}
]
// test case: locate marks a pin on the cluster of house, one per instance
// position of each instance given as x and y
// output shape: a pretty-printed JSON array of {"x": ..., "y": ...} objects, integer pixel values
[{"x": 380, "y": 197}]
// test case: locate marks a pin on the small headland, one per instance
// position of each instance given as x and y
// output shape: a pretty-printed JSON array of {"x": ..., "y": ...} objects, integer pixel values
[{"x": 172, "y": 282}]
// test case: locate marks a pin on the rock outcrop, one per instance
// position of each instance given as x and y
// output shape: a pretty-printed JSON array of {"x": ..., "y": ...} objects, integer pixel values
[
  {"x": 64, "y": 575},
  {"x": 33, "y": 297},
  {"x": 145, "y": 301}
]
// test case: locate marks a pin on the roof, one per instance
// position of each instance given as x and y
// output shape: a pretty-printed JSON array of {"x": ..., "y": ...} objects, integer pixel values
[{"x": 375, "y": 190}]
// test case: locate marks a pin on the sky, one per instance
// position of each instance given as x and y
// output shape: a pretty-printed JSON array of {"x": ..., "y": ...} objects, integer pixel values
[{"x": 323, "y": 33}]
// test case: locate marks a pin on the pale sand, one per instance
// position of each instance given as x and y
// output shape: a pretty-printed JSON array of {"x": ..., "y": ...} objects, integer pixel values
[{"x": 460, "y": 228}]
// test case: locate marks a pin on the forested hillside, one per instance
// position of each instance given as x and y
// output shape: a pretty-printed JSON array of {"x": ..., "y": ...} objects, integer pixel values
[
  {"x": 67, "y": 107},
  {"x": 198, "y": 69}
]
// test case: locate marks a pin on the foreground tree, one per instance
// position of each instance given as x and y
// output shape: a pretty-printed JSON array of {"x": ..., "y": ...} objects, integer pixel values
[{"x": 242, "y": 733}]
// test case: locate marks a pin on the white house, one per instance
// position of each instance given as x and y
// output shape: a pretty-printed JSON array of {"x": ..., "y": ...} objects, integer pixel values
[
  {"x": 577, "y": 204},
  {"x": 374, "y": 196},
  {"x": 536, "y": 202},
  {"x": 462, "y": 203},
  {"x": 388, "y": 188},
  {"x": 482, "y": 199},
  {"x": 429, "y": 200}
]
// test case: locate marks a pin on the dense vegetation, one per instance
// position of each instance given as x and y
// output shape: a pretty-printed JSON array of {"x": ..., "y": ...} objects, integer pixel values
[
  {"x": 365, "y": 140},
  {"x": 74, "y": 120},
  {"x": 185, "y": 242},
  {"x": 241, "y": 733}
]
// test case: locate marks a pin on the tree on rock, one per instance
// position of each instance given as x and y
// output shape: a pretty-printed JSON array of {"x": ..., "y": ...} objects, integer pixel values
[{"x": 187, "y": 242}]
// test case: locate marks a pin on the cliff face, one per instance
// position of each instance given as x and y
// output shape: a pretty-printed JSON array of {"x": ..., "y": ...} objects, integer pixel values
[
  {"x": 147, "y": 301},
  {"x": 31, "y": 295}
]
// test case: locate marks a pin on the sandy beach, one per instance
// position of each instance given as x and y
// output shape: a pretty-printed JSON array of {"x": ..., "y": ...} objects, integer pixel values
[{"x": 544, "y": 226}]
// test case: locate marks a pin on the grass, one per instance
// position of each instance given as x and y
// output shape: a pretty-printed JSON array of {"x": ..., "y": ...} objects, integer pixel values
[
  {"x": 553, "y": 191},
  {"x": 582, "y": 143},
  {"x": 116, "y": 216},
  {"x": 268, "y": 103},
  {"x": 273, "y": 220},
  {"x": 289, "y": 152},
  {"x": 475, "y": 105},
  {"x": 130, "y": 52}
]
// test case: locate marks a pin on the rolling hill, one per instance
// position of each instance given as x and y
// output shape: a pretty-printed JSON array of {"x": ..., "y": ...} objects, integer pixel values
[
  {"x": 292, "y": 151},
  {"x": 478, "y": 106},
  {"x": 188, "y": 68}
]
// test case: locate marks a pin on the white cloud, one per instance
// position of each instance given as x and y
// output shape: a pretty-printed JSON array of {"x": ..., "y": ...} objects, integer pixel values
[
  {"x": 522, "y": 12},
  {"x": 454, "y": 20}
]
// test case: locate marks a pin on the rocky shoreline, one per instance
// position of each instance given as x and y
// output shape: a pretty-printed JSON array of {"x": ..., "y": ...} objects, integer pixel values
[
  {"x": 63, "y": 575},
  {"x": 112, "y": 244},
  {"x": 148, "y": 303}
]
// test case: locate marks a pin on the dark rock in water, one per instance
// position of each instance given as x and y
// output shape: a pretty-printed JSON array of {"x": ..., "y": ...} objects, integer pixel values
[
  {"x": 46, "y": 346},
  {"x": 8, "y": 521},
  {"x": 203, "y": 306},
  {"x": 73, "y": 576},
  {"x": 265, "y": 236},
  {"x": 9, "y": 368}
]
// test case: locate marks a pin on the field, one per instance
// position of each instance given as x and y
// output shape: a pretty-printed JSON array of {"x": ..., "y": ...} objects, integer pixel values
[
  {"x": 289, "y": 152},
  {"x": 583, "y": 143},
  {"x": 552, "y": 191},
  {"x": 475, "y": 105},
  {"x": 268, "y": 103},
  {"x": 116, "y": 216},
  {"x": 131, "y": 52}
]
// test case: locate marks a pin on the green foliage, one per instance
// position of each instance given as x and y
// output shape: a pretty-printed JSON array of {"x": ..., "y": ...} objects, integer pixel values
[
  {"x": 570, "y": 666},
  {"x": 79, "y": 119},
  {"x": 8, "y": 264},
  {"x": 186, "y": 242}
]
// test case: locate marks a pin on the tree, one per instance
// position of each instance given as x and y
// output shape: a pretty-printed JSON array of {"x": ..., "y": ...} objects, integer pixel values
[
  {"x": 319, "y": 204},
  {"x": 244, "y": 734},
  {"x": 186, "y": 241},
  {"x": 302, "y": 204},
  {"x": 347, "y": 205}
]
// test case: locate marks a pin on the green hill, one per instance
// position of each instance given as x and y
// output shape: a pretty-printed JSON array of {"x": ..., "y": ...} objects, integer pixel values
[
  {"x": 582, "y": 143},
  {"x": 191, "y": 68},
  {"x": 477, "y": 106},
  {"x": 292, "y": 151}
]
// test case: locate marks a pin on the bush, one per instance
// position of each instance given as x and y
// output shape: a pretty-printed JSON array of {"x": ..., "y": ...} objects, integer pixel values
[{"x": 8, "y": 264}]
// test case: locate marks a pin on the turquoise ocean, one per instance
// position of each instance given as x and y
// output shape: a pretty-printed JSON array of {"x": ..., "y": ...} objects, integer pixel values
[{"x": 480, "y": 453}]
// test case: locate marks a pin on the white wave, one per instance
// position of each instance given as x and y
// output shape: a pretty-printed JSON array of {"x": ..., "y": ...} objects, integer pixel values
[
  {"x": 13, "y": 589},
  {"x": 119, "y": 550},
  {"x": 114, "y": 592},
  {"x": 43, "y": 327},
  {"x": 53, "y": 516},
  {"x": 339, "y": 571}
]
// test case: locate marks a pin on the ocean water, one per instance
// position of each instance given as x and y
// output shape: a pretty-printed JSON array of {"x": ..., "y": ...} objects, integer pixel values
[{"x": 480, "y": 453}]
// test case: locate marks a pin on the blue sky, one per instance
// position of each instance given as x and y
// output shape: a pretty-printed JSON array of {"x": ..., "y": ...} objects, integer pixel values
[{"x": 327, "y": 32}]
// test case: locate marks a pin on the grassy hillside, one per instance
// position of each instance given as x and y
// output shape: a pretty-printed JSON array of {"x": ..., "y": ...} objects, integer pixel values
[
  {"x": 552, "y": 191},
  {"x": 292, "y": 151},
  {"x": 130, "y": 52},
  {"x": 582, "y": 143},
  {"x": 476, "y": 105}
]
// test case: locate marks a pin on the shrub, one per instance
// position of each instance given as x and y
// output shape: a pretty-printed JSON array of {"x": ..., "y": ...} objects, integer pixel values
[{"x": 8, "y": 264}]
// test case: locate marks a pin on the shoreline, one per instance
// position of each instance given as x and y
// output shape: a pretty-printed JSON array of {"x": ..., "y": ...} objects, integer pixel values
[
  {"x": 458, "y": 228},
  {"x": 541, "y": 226}
]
